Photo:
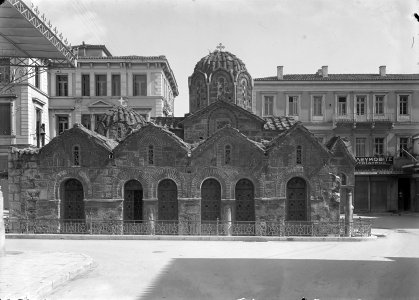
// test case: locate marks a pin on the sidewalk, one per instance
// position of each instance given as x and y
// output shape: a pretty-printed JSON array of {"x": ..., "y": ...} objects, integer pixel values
[{"x": 33, "y": 275}]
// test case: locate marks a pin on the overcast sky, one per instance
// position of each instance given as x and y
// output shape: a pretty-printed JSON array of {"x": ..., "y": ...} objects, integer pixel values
[{"x": 347, "y": 35}]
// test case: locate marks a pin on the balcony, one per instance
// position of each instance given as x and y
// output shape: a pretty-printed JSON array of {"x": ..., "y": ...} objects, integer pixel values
[{"x": 373, "y": 120}]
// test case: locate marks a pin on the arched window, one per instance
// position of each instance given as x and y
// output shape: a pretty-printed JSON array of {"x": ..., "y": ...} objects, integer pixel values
[
  {"x": 227, "y": 154},
  {"x": 343, "y": 179},
  {"x": 151, "y": 155},
  {"x": 76, "y": 156},
  {"x": 299, "y": 154}
]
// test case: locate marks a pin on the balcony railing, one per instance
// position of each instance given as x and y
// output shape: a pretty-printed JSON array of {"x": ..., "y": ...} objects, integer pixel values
[
  {"x": 358, "y": 227},
  {"x": 366, "y": 118}
]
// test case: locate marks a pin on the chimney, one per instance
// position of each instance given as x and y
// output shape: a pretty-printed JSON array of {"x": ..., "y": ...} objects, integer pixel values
[
  {"x": 280, "y": 72},
  {"x": 382, "y": 70},
  {"x": 324, "y": 71}
]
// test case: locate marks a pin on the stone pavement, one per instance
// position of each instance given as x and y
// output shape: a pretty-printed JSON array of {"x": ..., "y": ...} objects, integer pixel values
[{"x": 33, "y": 275}]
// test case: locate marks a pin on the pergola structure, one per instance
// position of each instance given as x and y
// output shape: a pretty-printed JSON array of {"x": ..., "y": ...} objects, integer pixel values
[{"x": 28, "y": 40}]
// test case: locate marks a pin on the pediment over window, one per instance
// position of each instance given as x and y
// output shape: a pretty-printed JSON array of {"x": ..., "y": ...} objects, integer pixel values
[{"x": 100, "y": 104}]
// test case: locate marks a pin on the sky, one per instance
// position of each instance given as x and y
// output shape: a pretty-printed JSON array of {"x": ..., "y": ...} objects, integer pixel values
[{"x": 349, "y": 36}]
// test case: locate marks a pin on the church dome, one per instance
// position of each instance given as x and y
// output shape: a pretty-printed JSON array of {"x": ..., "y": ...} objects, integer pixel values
[
  {"x": 220, "y": 60},
  {"x": 119, "y": 121},
  {"x": 220, "y": 76}
]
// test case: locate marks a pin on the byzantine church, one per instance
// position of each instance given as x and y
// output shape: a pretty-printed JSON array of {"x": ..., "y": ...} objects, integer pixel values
[{"x": 221, "y": 162}]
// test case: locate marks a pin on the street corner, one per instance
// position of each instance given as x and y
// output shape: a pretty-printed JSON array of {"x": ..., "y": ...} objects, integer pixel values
[{"x": 34, "y": 275}]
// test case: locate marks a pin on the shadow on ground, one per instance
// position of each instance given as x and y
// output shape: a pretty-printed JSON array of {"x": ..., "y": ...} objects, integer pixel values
[
  {"x": 394, "y": 221},
  {"x": 390, "y": 278}
]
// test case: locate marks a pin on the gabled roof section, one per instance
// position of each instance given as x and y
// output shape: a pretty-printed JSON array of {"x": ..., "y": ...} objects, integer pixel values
[
  {"x": 26, "y": 34},
  {"x": 278, "y": 123},
  {"x": 153, "y": 127},
  {"x": 98, "y": 139},
  {"x": 341, "y": 77},
  {"x": 337, "y": 142},
  {"x": 296, "y": 127},
  {"x": 222, "y": 133},
  {"x": 223, "y": 104}
]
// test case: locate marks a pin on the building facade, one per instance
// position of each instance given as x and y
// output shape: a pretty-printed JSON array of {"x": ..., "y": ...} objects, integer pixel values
[
  {"x": 377, "y": 113},
  {"x": 39, "y": 103},
  {"x": 230, "y": 166},
  {"x": 101, "y": 81}
]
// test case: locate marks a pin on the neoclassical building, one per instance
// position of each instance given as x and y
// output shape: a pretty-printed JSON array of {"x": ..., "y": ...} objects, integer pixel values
[{"x": 220, "y": 163}]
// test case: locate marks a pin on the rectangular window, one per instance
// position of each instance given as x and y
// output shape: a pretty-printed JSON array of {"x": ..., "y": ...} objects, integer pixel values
[
  {"x": 292, "y": 106},
  {"x": 62, "y": 124},
  {"x": 404, "y": 105},
  {"x": 62, "y": 85},
  {"x": 317, "y": 106},
  {"x": 360, "y": 146},
  {"x": 86, "y": 121},
  {"x": 379, "y": 105},
  {"x": 403, "y": 146},
  {"x": 116, "y": 85},
  {"x": 360, "y": 105},
  {"x": 268, "y": 105},
  {"x": 85, "y": 85},
  {"x": 4, "y": 70},
  {"x": 140, "y": 85},
  {"x": 342, "y": 106},
  {"x": 5, "y": 119},
  {"x": 37, "y": 78},
  {"x": 379, "y": 146},
  {"x": 101, "y": 85}
]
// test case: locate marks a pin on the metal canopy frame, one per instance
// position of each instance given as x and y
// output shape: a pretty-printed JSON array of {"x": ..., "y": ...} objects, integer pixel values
[{"x": 28, "y": 41}]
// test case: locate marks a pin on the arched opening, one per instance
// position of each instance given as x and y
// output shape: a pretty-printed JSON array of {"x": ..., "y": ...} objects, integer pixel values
[
  {"x": 167, "y": 200},
  {"x": 133, "y": 201},
  {"x": 245, "y": 200},
  {"x": 73, "y": 202},
  {"x": 296, "y": 199},
  {"x": 210, "y": 200}
]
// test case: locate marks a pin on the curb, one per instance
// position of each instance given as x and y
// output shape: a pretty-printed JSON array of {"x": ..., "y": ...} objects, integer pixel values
[
  {"x": 188, "y": 238},
  {"x": 48, "y": 287}
]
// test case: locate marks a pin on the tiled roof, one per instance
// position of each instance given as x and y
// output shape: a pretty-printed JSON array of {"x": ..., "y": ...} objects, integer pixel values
[
  {"x": 136, "y": 57},
  {"x": 341, "y": 77},
  {"x": 122, "y": 114},
  {"x": 169, "y": 122},
  {"x": 28, "y": 151},
  {"x": 278, "y": 123}
]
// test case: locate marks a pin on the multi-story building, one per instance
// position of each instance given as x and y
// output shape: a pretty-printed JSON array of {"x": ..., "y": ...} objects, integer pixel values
[
  {"x": 377, "y": 113},
  {"x": 46, "y": 101},
  {"x": 83, "y": 94}
]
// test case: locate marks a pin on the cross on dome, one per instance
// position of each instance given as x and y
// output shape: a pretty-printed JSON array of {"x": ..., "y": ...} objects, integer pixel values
[{"x": 220, "y": 47}]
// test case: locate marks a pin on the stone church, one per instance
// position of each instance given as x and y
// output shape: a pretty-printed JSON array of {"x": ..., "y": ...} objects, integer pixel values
[{"x": 220, "y": 163}]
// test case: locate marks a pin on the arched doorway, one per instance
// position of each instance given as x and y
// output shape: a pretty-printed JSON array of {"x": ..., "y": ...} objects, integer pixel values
[
  {"x": 210, "y": 200},
  {"x": 133, "y": 201},
  {"x": 167, "y": 200},
  {"x": 73, "y": 204},
  {"x": 245, "y": 201},
  {"x": 296, "y": 199}
]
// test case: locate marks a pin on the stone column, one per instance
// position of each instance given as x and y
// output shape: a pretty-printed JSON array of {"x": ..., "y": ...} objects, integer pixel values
[
  {"x": 348, "y": 214},
  {"x": 2, "y": 229}
]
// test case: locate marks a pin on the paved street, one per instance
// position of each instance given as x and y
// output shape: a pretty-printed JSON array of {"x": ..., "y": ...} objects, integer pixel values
[{"x": 385, "y": 268}]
